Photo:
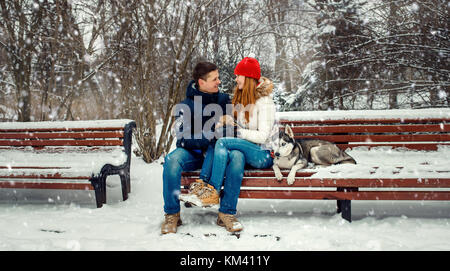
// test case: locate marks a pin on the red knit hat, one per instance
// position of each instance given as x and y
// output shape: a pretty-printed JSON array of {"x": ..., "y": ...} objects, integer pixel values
[{"x": 248, "y": 67}]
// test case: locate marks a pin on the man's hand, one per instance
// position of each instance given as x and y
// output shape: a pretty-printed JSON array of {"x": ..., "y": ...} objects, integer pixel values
[{"x": 225, "y": 120}]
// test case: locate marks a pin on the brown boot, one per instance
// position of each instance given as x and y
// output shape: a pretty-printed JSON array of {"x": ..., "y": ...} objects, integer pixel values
[
  {"x": 230, "y": 222},
  {"x": 196, "y": 186},
  {"x": 191, "y": 198},
  {"x": 208, "y": 196},
  {"x": 170, "y": 224}
]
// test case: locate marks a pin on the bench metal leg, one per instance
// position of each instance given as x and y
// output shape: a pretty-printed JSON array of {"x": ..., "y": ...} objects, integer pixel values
[
  {"x": 125, "y": 180},
  {"x": 345, "y": 206},
  {"x": 338, "y": 206},
  {"x": 100, "y": 191},
  {"x": 128, "y": 183},
  {"x": 346, "y": 209},
  {"x": 127, "y": 176}
]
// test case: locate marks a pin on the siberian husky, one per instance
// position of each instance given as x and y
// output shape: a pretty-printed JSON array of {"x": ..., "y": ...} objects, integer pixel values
[{"x": 295, "y": 154}]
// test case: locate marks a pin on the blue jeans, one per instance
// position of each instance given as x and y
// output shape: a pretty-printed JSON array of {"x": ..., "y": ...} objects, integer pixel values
[
  {"x": 176, "y": 162},
  {"x": 181, "y": 160},
  {"x": 230, "y": 157},
  {"x": 205, "y": 173}
]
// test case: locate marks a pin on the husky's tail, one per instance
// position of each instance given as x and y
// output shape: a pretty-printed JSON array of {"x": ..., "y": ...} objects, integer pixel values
[{"x": 347, "y": 159}]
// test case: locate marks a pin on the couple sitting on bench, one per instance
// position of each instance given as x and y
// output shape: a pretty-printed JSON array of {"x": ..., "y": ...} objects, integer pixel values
[{"x": 222, "y": 159}]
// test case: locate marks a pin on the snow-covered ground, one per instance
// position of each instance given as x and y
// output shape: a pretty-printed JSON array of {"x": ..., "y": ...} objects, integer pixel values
[{"x": 268, "y": 224}]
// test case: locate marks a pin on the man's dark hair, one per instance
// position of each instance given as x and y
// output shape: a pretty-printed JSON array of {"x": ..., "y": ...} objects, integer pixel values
[{"x": 202, "y": 69}]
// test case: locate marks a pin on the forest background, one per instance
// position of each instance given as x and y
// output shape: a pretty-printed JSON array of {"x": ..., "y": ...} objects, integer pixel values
[{"x": 109, "y": 59}]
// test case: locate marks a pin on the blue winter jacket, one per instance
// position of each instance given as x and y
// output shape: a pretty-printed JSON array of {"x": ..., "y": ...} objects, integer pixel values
[{"x": 190, "y": 132}]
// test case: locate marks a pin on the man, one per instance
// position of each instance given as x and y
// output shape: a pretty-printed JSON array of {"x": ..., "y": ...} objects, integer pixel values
[{"x": 193, "y": 138}]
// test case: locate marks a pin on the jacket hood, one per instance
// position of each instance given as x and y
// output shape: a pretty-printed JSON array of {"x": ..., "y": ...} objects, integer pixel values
[
  {"x": 192, "y": 91},
  {"x": 264, "y": 87}
]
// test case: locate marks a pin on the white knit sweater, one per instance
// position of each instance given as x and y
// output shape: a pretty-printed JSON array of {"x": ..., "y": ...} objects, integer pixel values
[{"x": 262, "y": 119}]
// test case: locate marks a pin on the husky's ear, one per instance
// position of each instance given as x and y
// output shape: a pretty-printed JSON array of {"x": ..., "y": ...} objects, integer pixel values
[{"x": 288, "y": 131}]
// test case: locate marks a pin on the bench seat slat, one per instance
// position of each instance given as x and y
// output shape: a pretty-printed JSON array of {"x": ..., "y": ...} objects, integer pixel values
[
  {"x": 43, "y": 176},
  {"x": 61, "y": 143},
  {"x": 68, "y": 161},
  {"x": 46, "y": 185},
  {"x": 412, "y": 146},
  {"x": 256, "y": 173},
  {"x": 353, "y": 195},
  {"x": 348, "y": 182},
  {"x": 386, "y": 182}
]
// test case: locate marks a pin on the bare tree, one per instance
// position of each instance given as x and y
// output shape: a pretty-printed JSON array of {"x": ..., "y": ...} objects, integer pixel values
[{"x": 20, "y": 22}]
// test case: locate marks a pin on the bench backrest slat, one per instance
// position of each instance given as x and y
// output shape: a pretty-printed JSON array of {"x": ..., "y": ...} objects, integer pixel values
[
  {"x": 61, "y": 142},
  {"x": 422, "y": 134},
  {"x": 40, "y": 135},
  {"x": 59, "y": 136},
  {"x": 367, "y": 121},
  {"x": 380, "y": 138},
  {"x": 373, "y": 128}
]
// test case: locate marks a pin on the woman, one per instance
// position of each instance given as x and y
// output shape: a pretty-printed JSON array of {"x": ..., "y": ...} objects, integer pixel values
[{"x": 254, "y": 115}]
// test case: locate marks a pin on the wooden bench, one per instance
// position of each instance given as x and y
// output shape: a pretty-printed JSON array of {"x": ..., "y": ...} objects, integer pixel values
[
  {"x": 401, "y": 155},
  {"x": 74, "y": 155}
]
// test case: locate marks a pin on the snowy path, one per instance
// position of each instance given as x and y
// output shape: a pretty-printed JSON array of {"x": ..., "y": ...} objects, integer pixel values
[{"x": 269, "y": 224}]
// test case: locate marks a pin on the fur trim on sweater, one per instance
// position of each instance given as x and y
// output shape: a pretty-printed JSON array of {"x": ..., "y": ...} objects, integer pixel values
[{"x": 264, "y": 87}]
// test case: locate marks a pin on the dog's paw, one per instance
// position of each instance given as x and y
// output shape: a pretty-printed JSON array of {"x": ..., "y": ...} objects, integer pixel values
[
  {"x": 291, "y": 179},
  {"x": 279, "y": 176}
]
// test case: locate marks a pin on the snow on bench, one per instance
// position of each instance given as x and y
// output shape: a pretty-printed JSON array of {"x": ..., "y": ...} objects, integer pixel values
[
  {"x": 74, "y": 155},
  {"x": 400, "y": 154}
]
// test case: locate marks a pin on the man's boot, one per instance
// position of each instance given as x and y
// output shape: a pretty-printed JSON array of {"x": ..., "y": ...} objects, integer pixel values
[
  {"x": 196, "y": 186},
  {"x": 171, "y": 222},
  {"x": 191, "y": 198},
  {"x": 208, "y": 196},
  {"x": 230, "y": 222}
]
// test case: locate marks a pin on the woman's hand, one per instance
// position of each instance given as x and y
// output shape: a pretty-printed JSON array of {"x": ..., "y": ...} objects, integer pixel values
[{"x": 225, "y": 120}]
